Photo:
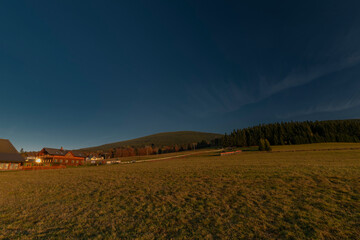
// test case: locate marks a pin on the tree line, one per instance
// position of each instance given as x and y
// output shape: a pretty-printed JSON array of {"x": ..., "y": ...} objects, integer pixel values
[
  {"x": 263, "y": 135},
  {"x": 152, "y": 149},
  {"x": 287, "y": 133}
]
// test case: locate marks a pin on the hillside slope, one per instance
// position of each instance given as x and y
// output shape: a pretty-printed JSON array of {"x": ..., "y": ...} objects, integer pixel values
[{"x": 160, "y": 139}]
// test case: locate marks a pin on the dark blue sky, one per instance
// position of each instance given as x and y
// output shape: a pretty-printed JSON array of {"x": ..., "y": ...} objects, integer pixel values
[{"x": 84, "y": 73}]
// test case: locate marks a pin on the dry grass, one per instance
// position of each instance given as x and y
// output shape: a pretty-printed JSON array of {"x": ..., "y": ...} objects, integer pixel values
[
  {"x": 289, "y": 195},
  {"x": 317, "y": 146}
]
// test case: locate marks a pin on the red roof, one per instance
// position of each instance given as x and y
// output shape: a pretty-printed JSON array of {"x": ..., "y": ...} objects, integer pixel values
[{"x": 62, "y": 152}]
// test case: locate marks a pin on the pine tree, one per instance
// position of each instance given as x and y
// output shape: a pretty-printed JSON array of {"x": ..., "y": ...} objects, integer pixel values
[
  {"x": 261, "y": 145},
  {"x": 226, "y": 142},
  {"x": 267, "y": 146},
  {"x": 294, "y": 133}
]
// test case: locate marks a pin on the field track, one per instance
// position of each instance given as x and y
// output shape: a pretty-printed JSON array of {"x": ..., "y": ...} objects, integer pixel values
[{"x": 173, "y": 157}]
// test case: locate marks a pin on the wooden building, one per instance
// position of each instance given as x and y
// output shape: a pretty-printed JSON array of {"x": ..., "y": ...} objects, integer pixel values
[
  {"x": 30, "y": 156},
  {"x": 61, "y": 157},
  {"x": 10, "y": 159}
]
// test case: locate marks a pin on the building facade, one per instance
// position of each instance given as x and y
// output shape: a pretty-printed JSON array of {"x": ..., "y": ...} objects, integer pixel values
[{"x": 55, "y": 156}]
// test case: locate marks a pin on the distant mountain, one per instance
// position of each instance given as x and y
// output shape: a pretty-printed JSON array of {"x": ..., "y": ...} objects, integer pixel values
[{"x": 160, "y": 139}]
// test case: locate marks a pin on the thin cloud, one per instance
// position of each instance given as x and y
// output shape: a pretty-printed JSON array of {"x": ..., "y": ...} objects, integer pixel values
[
  {"x": 300, "y": 77},
  {"x": 230, "y": 95},
  {"x": 344, "y": 53},
  {"x": 334, "y": 106}
]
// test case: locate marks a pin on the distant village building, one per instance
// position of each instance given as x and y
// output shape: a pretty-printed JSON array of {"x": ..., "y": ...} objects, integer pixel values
[
  {"x": 30, "y": 157},
  {"x": 10, "y": 159},
  {"x": 61, "y": 157},
  {"x": 95, "y": 159}
]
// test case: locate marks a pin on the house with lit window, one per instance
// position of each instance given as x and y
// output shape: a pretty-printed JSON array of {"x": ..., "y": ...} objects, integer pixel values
[
  {"x": 10, "y": 159},
  {"x": 30, "y": 156},
  {"x": 60, "y": 156},
  {"x": 95, "y": 159}
]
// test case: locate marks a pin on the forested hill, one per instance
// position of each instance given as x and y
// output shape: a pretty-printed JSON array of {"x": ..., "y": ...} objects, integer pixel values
[
  {"x": 295, "y": 133},
  {"x": 160, "y": 139}
]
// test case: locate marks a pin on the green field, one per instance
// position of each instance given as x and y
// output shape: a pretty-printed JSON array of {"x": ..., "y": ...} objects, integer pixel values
[{"x": 252, "y": 195}]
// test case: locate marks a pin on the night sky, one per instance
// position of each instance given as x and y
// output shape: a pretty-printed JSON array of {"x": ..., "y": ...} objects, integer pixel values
[{"x": 84, "y": 73}]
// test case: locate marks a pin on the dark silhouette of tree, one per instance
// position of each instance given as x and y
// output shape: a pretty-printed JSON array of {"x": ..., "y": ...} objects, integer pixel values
[
  {"x": 261, "y": 144},
  {"x": 287, "y": 133},
  {"x": 267, "y": 145}
]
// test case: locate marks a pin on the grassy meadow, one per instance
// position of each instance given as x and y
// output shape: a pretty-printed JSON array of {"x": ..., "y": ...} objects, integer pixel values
[
  {"x": 318, "y": 147},
  {"x": 252, "y": 195}
]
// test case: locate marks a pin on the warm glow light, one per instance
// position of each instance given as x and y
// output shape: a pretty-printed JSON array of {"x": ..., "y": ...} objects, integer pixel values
[{"x": 38, "y": 160}]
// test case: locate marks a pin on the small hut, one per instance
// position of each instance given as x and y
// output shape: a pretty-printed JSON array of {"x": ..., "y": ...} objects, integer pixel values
[{"x": 10, "y": 159}]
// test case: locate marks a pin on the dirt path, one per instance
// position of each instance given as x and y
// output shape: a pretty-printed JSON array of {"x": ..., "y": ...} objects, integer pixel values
[{"x": 171, "y": 157}]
